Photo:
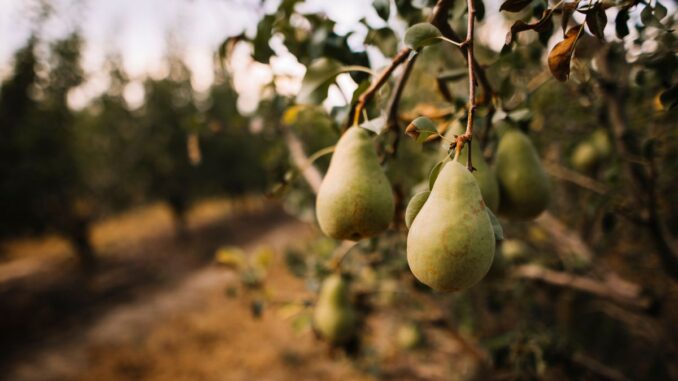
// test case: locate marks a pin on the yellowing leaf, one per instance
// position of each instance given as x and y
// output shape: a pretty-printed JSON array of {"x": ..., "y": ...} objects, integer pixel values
[
  {"x": 263, "y": 257},
  {"x": 232, "y": 257},
  {"x": 291, "y": 114},
  {"x": 561, "y": 54}
]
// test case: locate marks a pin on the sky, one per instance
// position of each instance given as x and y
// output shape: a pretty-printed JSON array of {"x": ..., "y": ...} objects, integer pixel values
[{"x": 138, "y": 32}]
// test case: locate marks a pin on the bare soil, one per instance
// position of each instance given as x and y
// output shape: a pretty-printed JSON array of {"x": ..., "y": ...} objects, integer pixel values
[{"x": 156, "y": 308}]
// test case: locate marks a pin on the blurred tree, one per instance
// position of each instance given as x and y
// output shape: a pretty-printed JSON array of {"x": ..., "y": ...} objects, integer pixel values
[{"x": 42, "y": 188}]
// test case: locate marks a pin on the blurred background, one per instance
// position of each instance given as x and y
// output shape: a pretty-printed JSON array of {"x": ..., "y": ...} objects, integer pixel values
[{"x": 156, "y": 193}]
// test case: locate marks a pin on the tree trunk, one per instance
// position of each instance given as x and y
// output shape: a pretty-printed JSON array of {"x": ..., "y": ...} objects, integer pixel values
[
  {"x": 82, "y": 244},
  {"x": 179, "y": 207}
]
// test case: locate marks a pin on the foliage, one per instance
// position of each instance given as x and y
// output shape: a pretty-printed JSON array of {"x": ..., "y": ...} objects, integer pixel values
[{"x": 598, "y": 222}]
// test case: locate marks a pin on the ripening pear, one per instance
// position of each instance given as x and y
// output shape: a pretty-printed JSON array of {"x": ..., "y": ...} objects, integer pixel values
[
  {"x": 524, "y": 187},
  {"x": 334, "y": 317},
  {"x": 355, "y": 199},
  {"x": 450, "y": 245},
  {"x": 484, "y": 174}
]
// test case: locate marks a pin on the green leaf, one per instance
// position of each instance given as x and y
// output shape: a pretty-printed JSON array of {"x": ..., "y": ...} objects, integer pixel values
[
  {"x": 453, "y": 74},
  {"x": 649, "y": 19},
  {"x": 421, "y": 128},
  {"x": 362, "y": 87},
  {"x": 514, "y": 5},
  {"x": 383, "y": 8},
  {"x": 496, "y": 226},
  {"x": 262, "y": 50},
  {"x": 317, "y": 80},
  {"x": 660, "y": 11},
  {"x": 376, "y": 125},
  {"x": 621, "y": 23},
  {"x": 384, "y": 39},
  {"x": 419, "y": 35},
  {"x": 480, "y": 9},
  {"x": 414, "y": 206},
  {"x": 433, "y": 175}
]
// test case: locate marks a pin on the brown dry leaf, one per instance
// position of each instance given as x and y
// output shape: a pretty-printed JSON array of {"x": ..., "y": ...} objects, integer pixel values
[
  {"x": 597, "y": 20},
  {"x": 521, "y": 26},
  {"x": 514, "y": 5},
  {"x": 568, "y": 11},
  {"x": 560, "y": 55}
]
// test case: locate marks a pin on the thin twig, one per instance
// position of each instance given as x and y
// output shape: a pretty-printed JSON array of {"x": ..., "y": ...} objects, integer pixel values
[
  {"x": 340, "y": 253},
  {"x": 378, "y": 83},
  {"x": 566, "y": 239},
  {"x": 392, "y": 114}
]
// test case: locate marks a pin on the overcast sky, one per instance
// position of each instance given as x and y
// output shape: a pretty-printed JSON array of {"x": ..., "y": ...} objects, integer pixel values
[{"x": 138, "y": 31}]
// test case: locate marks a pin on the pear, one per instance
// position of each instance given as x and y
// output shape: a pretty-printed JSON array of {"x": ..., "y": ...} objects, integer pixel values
[
  {"x": 334, "y": 318},
  {"x": 601, "y": 141},
  {"x": 450, "y": 245},
  {"x": 523, "y": 184},
  {"x": 584, "y": 157},
  {"x": 355, "y": 199},
  {"x": 484, "y": 174},
  {"x": 414, "y": 206}
]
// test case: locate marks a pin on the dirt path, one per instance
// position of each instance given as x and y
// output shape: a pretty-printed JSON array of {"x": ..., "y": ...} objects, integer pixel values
[{"x": 189, "y": 330}]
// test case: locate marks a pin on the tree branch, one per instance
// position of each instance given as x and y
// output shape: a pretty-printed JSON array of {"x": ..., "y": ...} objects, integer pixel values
[
  {"x": 556, "y": 170},
  {"x": 613, "y": 287},
  {"x": 468, "y": 43},
  {"x": 378, "y": 83},
  {"x": 310, "y": 173}
]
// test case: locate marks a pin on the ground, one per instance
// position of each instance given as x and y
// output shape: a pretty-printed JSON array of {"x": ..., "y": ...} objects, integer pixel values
[{"x": 158, "y": 308}]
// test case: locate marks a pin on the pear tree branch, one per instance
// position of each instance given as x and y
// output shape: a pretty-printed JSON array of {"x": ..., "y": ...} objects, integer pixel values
[
  {"x": 468, "y": 45},
  {"x": 439, "y": 20}
]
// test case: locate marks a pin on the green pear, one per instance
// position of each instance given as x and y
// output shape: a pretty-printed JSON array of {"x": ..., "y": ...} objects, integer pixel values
[
  {"x": 584, "y": 157},
  {"x": 601, "y": 141},
  {"x": 355, "y": 199},
  {"x": 450, "y": 245},
  {"x": 484, "y": 174},
  {"x": 524, "y": 187},
  {"x": 334, "y": 317},
  {"x": 414, "y": 206}
]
